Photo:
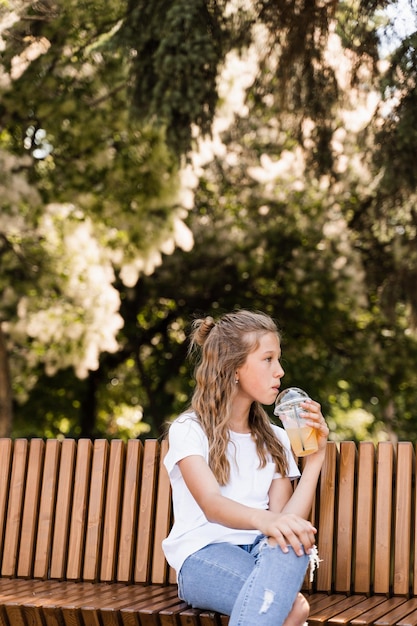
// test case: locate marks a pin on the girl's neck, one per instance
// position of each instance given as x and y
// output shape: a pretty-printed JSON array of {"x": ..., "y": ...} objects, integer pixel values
[{"x": 239, "y": 424}]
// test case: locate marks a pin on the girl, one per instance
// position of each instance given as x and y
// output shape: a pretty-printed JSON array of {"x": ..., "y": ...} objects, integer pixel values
[{"x": 241, "y": 539}]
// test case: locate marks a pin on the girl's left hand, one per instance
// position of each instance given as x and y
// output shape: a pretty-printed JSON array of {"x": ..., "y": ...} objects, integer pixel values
[{"x": 314, "y": 417}]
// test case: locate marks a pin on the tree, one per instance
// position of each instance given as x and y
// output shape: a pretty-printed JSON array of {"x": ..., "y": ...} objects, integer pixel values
[
  {"x": 354, "y": 258},
  {"x": 280, "y": 114},
  {"x": 88, "y": 192}
]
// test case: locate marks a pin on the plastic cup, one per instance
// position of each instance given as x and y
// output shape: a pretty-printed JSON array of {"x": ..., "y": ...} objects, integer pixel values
[{"x": 303, "y": 438}]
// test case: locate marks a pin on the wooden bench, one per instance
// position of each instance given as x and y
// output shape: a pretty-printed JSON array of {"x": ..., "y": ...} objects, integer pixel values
[{"x": 81, "y": 525}]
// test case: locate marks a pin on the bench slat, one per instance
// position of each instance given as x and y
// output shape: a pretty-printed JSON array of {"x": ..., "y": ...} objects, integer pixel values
[
  {"x": 113, "y": 509},
  {"x": 52, "y": 617},
  {"x": 95, "y": 516},
  {"x": 414, "y": 590},
  {"x": 362, "y": 561},
  {"x": 109, "y": 618},
  {"x": 402, "y": 519},
  {"x": 46, "y": 508},
  {"x": 383, "y": 515},
  {"x": 146, "y": 510},
  {"x": 30, "y": 508},
  {"x": 15, "y": 615},
  {"x": 162, "y": 520},
  {"x": 63, "y": 509},
  {"x": 326, "y": 511},
  {"x": 15, "y": 507},
  {"x": 6, "y": 447},
  {"x": 79, "y": 509},
  {"x": 189, "y": 617},
  {"x": 133, "y": 475},
  {"x": 345, "y": 516},
  {"x": 320, "y": 600},
  {"x": 212, "y": 619}
]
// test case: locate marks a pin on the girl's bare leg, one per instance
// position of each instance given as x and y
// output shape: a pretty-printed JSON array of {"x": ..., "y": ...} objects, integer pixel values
[{"x": 299, "y": 612}]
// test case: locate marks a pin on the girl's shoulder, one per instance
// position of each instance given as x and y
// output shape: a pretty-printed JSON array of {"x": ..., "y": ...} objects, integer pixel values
[
  {"x": 186, "y": 416},
  {"x": 280, "y": 433},
  {"x": 185, "y": 437},
  {"x": 187, "y": 421},
  {"x": 278, "y": 430}
]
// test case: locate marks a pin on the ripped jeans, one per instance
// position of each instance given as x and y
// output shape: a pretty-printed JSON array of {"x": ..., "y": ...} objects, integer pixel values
[{"x": 255, "y": 585}]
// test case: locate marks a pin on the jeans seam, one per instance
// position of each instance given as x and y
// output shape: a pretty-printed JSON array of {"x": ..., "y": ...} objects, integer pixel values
[{"x": 245, "y": 604}]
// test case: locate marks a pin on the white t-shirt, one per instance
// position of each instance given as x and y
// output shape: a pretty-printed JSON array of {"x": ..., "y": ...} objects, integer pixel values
[{"x": 248, "y": 484}]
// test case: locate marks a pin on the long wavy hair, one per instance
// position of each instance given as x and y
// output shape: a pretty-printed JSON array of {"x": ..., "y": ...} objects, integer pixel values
[{"x": 222, "y": 348}]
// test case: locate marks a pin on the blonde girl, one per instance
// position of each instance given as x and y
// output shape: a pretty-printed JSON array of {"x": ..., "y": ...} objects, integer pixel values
[{"x": 241, "y": 538}]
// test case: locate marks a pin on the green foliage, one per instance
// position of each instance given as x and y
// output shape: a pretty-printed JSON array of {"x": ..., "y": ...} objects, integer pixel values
[
  {"x": 86, "y": 191},
  {"x": 395, "y": 142},
  {"x": 178, "y": 48},
  {"x": 297, "y": 211},
  {"x": 181, "y": 46}
]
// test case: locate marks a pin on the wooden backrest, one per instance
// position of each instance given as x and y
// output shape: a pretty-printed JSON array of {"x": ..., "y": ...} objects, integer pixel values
[
  {"x": 83, "y": 510},
  {"x": 366, "y": 519},
  {"x": 100, "y": 510}
]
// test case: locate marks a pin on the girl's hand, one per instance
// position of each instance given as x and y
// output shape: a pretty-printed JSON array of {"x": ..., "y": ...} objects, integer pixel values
[
  {"x": 312, "y": 413},
  {"x": 289, "y": 529}
]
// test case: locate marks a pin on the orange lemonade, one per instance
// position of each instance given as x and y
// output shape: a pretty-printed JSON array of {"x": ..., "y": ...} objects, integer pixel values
[{"x": 303, "y": 440}]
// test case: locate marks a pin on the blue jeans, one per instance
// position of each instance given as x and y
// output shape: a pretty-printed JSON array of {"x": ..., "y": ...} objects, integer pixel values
[{"x": 255, "y": 585}]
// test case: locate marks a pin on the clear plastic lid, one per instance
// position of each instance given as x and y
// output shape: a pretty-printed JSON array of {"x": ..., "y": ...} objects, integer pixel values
[{"x": 288, "y": 397}]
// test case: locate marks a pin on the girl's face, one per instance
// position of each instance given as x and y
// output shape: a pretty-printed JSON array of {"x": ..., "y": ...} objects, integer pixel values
[{"x": 260, "y": 375}]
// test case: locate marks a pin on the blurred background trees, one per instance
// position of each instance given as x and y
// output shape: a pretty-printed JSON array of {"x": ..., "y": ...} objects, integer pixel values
[{"x": 166, "y": 160}]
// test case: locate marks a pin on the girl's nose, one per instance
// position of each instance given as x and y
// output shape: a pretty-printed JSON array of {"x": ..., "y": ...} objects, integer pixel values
[{"x": 279, "y": 372}]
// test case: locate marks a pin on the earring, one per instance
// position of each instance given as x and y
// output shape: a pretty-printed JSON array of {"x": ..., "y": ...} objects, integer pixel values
[{"x": 236, "y": 381}]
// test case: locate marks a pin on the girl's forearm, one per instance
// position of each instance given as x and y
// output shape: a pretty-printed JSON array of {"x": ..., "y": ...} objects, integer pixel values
[
  {"x": 222, "y": 510},
  {"x": 302, "y": 498}
]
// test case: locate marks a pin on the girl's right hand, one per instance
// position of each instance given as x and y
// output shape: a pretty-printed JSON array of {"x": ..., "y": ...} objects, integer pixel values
[{"x": 289, "y": 529}]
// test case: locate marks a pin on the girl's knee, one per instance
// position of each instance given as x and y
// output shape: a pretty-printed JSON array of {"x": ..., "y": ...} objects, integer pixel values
[
  {"x": 299, "y": 612},
  {"x": 303, "y": 607}
]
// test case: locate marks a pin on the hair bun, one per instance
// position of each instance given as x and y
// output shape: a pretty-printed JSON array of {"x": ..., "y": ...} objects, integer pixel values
[{"x": 202, "y": 328}]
